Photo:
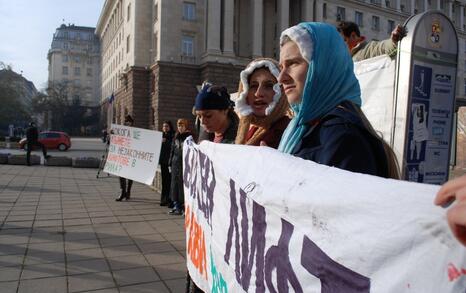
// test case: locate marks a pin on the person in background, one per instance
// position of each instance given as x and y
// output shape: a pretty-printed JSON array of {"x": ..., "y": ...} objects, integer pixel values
[
  {"x": 261, "y": 104},
  {"x": 176, "y": 164},
  {"x": 455, "y": 190},
  {"x": 360, "y": 49},
  {"x": 219, "y": 123},
  {"x": 126, "y": 184},
  {"x": 167, "y": 140},
  {"x": 328, "y": 126},
  {"x": 32, "y": 136}
]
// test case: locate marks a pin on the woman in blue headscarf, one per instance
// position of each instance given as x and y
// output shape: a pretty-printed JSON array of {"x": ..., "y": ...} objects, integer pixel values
[{"x": 328, "y": 125}]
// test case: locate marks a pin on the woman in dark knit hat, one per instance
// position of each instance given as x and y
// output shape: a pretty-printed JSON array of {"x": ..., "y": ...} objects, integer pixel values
[{"x": 219, "y": 123}]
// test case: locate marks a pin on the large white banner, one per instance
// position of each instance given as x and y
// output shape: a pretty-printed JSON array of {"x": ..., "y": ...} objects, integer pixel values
[
  {"x": 258, "y": 220},
  {"x": 376, "y": 77},
  {"x": 133, "y": 153}
]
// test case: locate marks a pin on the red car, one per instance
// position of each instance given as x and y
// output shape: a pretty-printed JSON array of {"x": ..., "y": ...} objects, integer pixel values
[{"x": 51, "y": 140}]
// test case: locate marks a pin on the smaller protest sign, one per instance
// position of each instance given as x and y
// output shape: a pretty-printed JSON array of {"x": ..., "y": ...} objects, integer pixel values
[{"x": 133, "y": 153}]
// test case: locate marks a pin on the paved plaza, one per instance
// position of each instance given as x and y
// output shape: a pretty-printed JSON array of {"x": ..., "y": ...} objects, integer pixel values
[{"x": 61, "y": 230}]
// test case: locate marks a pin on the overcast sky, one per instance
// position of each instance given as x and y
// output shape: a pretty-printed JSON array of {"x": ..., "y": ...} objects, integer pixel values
[{"x": 27, "y": 27}]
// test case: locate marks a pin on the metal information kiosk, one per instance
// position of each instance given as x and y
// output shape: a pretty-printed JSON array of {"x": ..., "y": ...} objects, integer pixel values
[{"x": 425, "y": 98}]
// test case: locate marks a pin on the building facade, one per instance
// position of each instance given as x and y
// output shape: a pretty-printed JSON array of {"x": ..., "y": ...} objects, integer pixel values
[
  {"x": 74, "y": 63},
  {"x": 155, "y": 52}
]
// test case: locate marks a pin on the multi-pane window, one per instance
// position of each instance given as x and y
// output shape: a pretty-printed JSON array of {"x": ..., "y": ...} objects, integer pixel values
[
  {"x": 127, "y": 43},
  {"x": 89, "y": 71},
  {"x": 128, "y": 12},
  {"x": 341, "y": 13},
  {"x": 64, "y": 70},
  {"x": 358, "y": 18},
  {"x": 77, "y": 59},
  {"x": 77, "y": 71},
  {"x": 65, "y": 46},
  {"x": 64, "y": 58},
  {"x": 189, "y": 11},
  {"x": 187, "y": 46},
  {"x": 89, "y": 60},
  {"x": 390, "y": 26},
  {"x": 375, "y": 23}
]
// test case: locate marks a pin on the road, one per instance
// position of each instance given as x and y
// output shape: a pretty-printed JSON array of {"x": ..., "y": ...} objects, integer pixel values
[{"x": 80, "y": 147}]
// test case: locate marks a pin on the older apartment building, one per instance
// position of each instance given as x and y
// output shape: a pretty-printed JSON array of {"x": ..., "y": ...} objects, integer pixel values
[
  {"x": 155, "y": 52},
  {"x": 74, "y": 60}
]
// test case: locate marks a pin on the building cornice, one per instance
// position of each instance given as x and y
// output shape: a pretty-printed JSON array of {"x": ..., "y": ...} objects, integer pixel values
[{"x": 103, "y": 16}]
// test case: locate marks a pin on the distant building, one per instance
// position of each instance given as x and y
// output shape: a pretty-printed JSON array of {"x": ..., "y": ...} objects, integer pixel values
[
  {"x": 25, "y": 88},
  {"x": 74, "y": 60},
  {"x": 155, "y": 52}
]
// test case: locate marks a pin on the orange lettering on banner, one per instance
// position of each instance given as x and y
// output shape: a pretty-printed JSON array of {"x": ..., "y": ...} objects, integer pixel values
[
  {"x": 118, "y": 159},
  {"x": 196, "y": 243}
]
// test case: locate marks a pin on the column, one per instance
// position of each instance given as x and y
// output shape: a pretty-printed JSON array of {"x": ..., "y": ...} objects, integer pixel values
[
  {"x": 228, "y": 25},
  {"x": 383, "y": 3},
  {"x": 398, "y": 5},
  {"x": 258, "y": 12},
  {"x": 412, "y": 7},
  {"x": 439, "y": 5},
  {"x": 426, "y": 5},
  {"x": 284, "y": 15},
  {"x": 450, "y": 10},
  {"x": 213, "y": 26},
  {"x": 308, "y": 10},
  {"x": 461, "y": 7}
]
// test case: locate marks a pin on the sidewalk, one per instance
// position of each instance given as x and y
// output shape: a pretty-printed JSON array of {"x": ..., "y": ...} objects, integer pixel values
[{"x": 61, "y": 230}]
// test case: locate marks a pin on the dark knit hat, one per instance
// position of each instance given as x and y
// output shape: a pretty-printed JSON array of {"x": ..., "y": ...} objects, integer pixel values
[{"x": 212, "y": 97}]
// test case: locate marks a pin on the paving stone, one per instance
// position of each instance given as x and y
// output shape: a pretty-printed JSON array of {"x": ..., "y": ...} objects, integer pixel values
[
  {"x": 10, "y": 273},
  {"x": 87, "y": 266},
  {"x": 45, "y": 285},
  {"x": 135, "y": 276},
  {"x": 93, "y": 281},
  {"x": 43, "y": 271},
  {"x": 45, "y": 257},
  {"x": 155, "y": 287},
  {"x": 170, "y": 257},
  {"x": 11, "y": 260},
  {"x": 116, "y": 241},
  {"x": 156, "y": 247},
  {"x": 171, "y": 271},
  {"x": 84, "y": 254},
  {"x": 126, "y": 262},
  {"x": 177, "y": 285},
  {"x": 124, "y": 250},
  {"x": 9, "y": 287},
  {"x": 81, "y": 244}
]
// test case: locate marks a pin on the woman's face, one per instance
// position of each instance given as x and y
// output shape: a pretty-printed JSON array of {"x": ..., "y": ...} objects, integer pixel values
[
  {"x": 181, "y": 128},
  {"x": 261, "y": 92},
  {"x": 212, "y": 120},
  {"x": 165, "y": 127},
  {"x": 293, "y": 72}
]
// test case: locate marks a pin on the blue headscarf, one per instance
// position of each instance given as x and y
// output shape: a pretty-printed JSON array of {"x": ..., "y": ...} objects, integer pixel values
[{"x": 330, "y": 78}]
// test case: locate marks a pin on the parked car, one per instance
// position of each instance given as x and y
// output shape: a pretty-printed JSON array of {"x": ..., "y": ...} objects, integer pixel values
[{"x": 51, "y": 140}]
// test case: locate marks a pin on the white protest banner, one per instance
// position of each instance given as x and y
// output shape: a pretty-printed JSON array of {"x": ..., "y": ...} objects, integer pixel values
[
  {"x": 376, "y": 77},
  {"x": 258, "y": 220},
  {"x": 133, "y": 153}
]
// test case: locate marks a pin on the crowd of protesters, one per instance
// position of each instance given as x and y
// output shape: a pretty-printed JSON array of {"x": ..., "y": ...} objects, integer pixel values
[{"x": 308, "y": 105}]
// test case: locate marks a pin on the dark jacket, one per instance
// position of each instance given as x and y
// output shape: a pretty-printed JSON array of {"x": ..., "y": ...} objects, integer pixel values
[
  {"x": 340, "y": 139},
  {"x": 167, "y": 140},
  {"x": 176, "y": 163},
  {"x": 230, "y": 133},
  {"x": 32, "y": 134}
]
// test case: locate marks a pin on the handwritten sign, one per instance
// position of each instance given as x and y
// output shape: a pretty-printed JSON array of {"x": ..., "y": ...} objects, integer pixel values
[
  {"x": 133, "y": 153},
  {"x": 258, "y": 220}
]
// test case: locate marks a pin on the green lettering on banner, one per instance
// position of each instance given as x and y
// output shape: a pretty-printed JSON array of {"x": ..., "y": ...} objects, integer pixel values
[
  {"x": 136, "y": 134},
  {"x": 112, "y": 167},
  {"x": 218, "y": 283},
  {"x": 133, "y": 163}
]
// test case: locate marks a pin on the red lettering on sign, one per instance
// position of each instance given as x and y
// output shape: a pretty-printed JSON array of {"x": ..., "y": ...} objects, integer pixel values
[
  {"x": 121, "y": 141},
  {"x": 196, "y": 243},
  {"x": 454, "y": 273}
]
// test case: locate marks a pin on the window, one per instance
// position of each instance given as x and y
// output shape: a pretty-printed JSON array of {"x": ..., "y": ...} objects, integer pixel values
[
  {"x": 64, "y": 70},
  {"x": 77, "y": 71},
  {"x": 77, "y": 59},
  {"x": 64, "y": 58},
  {"x": 465, "y": 85},
  {"x": 89, "y": 71},
  {"x": 340, "y": 13},
  {"x": 128, "y": 12},
  {"x": 127, "y": 44},
  {"x": 324, "y": 10},
  {"x": 390, "y": 26},
  {"x": 156, "y": 12},
  {"x": 65, "y": 46},
  {"x": 89, "y": 60},
  {"x": 358, "y": 18},
  {"x": 187, "y": 46},
  {"x": 189, "y": 11},
  {"x": 66, "y": 35},
  {"x": 375, "y": 23}
]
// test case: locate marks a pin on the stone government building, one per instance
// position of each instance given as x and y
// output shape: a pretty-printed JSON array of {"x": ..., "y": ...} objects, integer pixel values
[{"x": 155, "y": 52}]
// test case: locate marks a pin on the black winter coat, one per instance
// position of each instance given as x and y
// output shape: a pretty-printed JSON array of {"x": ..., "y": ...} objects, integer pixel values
[
  {"x": 340, "y": 139},
  {"x": 32, "y": 134},
  {"x": 167, "y": 140},
  {"x": 176, "y": 155}
]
